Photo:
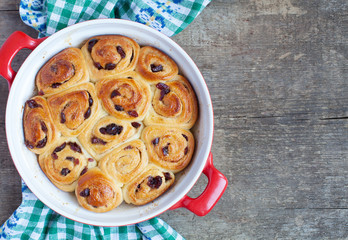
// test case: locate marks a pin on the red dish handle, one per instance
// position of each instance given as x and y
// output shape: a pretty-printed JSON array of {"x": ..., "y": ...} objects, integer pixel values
[
  {"x": 217, "y": 184},
  {"x": 15, "y": 42}
]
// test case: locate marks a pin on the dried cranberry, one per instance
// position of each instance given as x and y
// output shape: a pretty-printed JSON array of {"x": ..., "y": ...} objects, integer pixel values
[
  {"x": 133, "y": 113},
  {"x": 41, "y": 93},
  {"x": 115, "y": 93},
  {"x": 128, "y": 147},
  {"x": 60, "y": 148},
  {"x": 28, "y": 144},
  {"x": 70, "y": 158},
  {"x": 135, "y": 124},
  {"x": 167, "y": 176},
  {"x": 84, "y": 192},
  {"x": 76, "y": 161},
  {"x": 110, "y": 66},
  {"x": 185, "y": 137},
  {"x": 97, "y": 65},
  {"x": 43, "y": 126},
  {"x": 91, "y": 44},
  {"x": 90, "y": 160},
  {"x": 155, "y": 141},
  {"x": 119, "y": 108},
  {"x": 154, "y": 182},
  {"x": 156, "y": 68},
  {"x": 165, "y": 150},
  {"x": 33, "y": 104},
  {"x": 75, "y": 147},
  {"x": 96, "y": 140},
  {"x": 54, "y": 155},
  {"x": 163, "y": 93},
  {"x": 84, "y": 171},
  {"x": 87, "y": 113},
  {"x": 162, "y": 86},
  {"x": 65, "y": 171},
  {"x": 62, "y": 117},
  {"x": 56, "y": 85},
  {"x": 186, "y": 150},
  {"x": 121, "y": 52},
  {"x": 42, "y": 143}
]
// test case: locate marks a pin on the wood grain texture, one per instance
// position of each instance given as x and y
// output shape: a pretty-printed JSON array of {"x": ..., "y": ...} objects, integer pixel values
[{"x": 277, "y": 74}]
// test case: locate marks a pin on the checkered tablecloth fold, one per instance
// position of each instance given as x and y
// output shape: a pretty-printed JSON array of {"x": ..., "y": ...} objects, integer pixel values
[{"x": 167, "y": 16}]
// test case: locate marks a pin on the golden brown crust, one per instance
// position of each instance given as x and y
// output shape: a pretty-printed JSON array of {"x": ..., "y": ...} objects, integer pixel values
[
  {"x": 106, "y": 133},
  {"x": 126, "y": 97},
  {"x": 97, "y": 192},
  {"x": 39, "y": 130},
  {"x": 154, "y": 65},
  {"x": 110, "y": 55},
  {"x": 73, "y": 109},
  {"x": 169, "y": 147},
  {"x": 125, "y": 162},
  {"x": 148, "y": 186},
  {"x": 174, "y": 103},
  {"x": 63, "y": 163},
  {"x": 62, "y": 71}
]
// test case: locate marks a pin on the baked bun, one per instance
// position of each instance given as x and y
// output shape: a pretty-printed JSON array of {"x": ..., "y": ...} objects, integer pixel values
[
  {"x": 154, "y": 65},
  {"x": 62, "y": 71},
  {"x": 97, "y": 192},
  {"x": 169, "y": 147},
  {"x": 174, "y": 103},
  {"x": 126, "y": 161},
  {"x": 39, "y": 130},
  {"x": 110, "y": 55},
  {"x": 63, "y": 163},
  {"x": 73, "y": 109},
  {"x": 111, "y": 121},
  {"x": 126, "y": 97},
  {"x": 107, "y": 132},
  {"x": 149, "y": 185}
]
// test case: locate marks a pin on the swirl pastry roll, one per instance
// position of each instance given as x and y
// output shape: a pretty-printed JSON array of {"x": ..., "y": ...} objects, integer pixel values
[
  {"x": 63, "y": 163},
  {"x": 149, "y": 185},
  {"x": 126, "y": 97},
  {"x": 73, "y": 109},
  {"x": 169, "y": 147},
  {"x": 126, "y": 161},
  {"x": 62, "y": 71},
  {"x": 174, "y": 103},
  {"x": 106, "y": 133},
  {"x": 97, "y": 192},
  {"x": 154, "y": 65},
  {"x": 110, "y": 55},
  {"x": 39, "y": 130}
]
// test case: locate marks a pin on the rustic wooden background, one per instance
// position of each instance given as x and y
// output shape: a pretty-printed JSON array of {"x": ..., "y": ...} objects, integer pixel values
[{"x": 277, "y": 71}]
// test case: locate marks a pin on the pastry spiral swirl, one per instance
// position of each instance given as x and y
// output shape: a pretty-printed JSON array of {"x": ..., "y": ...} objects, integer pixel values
[
  {"x": 154, "y": 65},
  {"x": 149, "y": 185},
  {"x": 106, "y": 133},
  {"x": 126, "y": 97},
  {"x": 73, "y": 109},
  {"x": 169, "y": 147},
  {"x": 39, "y": 130},
  {"x": 62, "y": 71},
  {"x": 63, "y": 163},
  {"x": 174, "y": 103},
  {"x": 97, "y": 192},
  {"x": 126, "y": 161},
  {"x": 110, "y": 55}
]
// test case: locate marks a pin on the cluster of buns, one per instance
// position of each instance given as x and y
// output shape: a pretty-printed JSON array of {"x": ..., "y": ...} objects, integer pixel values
[{"x": 111, "y": 121}]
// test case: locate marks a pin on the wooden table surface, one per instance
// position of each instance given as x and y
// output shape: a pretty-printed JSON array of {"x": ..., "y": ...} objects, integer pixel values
[{"x": 277, "y": 71}]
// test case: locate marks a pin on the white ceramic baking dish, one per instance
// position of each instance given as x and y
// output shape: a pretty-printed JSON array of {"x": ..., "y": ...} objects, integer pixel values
[{"x": 23, "y": 87}]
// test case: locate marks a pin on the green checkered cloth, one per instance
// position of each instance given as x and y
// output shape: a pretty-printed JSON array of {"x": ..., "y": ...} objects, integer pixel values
[
  {"x": 167, "y": 16},
  {"x": 34, "y": 220}
]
